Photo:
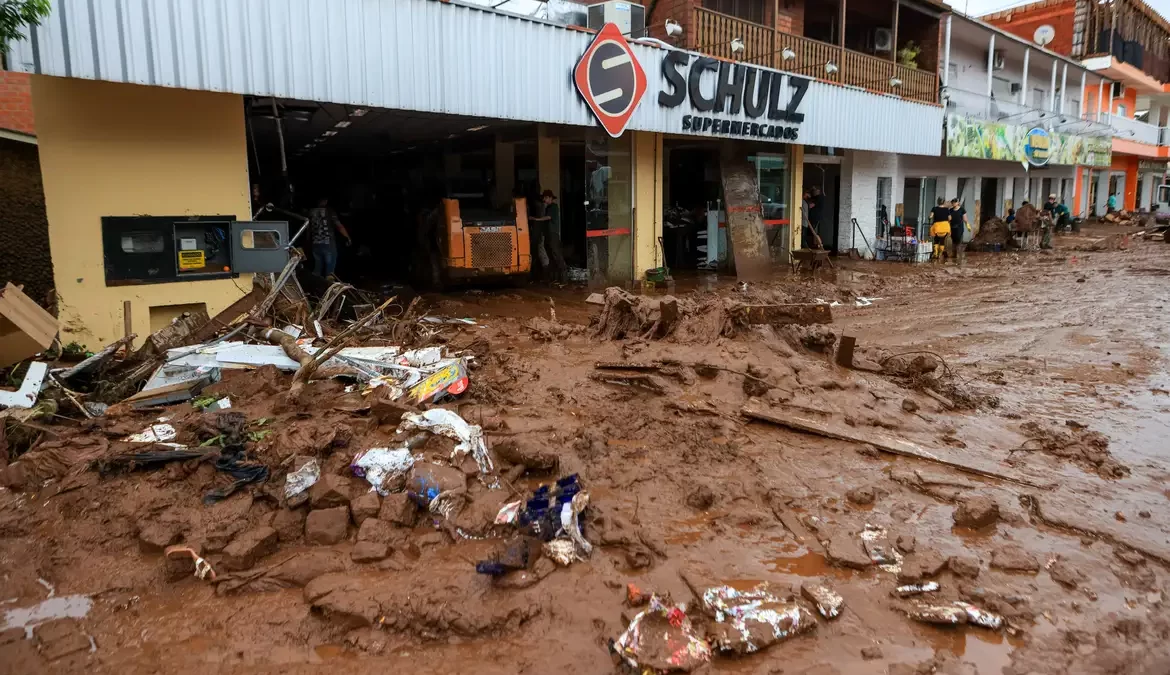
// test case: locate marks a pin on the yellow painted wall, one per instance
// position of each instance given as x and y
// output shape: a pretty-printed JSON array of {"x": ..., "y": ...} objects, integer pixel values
[
  {"x": 548, "y": 160},
  {"x": 120, "y": 150},
  {"x": 648, "y": 158},
  {"x": 797, "y": 192}
]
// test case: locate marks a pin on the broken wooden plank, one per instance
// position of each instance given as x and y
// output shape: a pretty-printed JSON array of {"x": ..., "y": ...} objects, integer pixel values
[
  {"x": 894, "y": 446},
  {"x": 26, "y": 329},
  {"x": 640, "y": 380},
  {"x": 845, "y": 350},
  {"x": 802, "y": 314},
  {"x": 627, "y": 365},
  {"x": 943, "y": 400}
]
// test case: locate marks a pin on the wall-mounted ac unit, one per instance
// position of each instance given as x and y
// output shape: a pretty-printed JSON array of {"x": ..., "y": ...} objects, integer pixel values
[
  {"x": 883, "y": 40},
  {"x": 998, "y": 60},
  {"x": 1016, "y": 87},
  {"x": 629, "y": 17}
]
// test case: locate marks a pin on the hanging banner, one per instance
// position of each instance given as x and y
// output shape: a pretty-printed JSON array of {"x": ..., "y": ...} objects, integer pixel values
[{"x": 1036, "y": 146}]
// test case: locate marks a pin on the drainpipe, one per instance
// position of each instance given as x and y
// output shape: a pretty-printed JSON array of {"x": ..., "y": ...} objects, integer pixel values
[{"x": 1024, "y": 85}]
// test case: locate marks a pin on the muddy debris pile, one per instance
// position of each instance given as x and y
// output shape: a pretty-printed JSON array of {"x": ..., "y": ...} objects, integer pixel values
[
  {"x": 929, "y": 373},
  {"x": 1075, "y": 443}
]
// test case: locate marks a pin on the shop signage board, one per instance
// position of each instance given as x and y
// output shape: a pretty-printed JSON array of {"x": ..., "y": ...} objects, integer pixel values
[
  {"x": 610, "y": 79},
  {"x": 1035, "y": 146}
]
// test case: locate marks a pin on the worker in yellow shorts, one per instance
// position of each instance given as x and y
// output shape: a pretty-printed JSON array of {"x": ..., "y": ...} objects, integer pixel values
[{"x": 940, "y": 230}]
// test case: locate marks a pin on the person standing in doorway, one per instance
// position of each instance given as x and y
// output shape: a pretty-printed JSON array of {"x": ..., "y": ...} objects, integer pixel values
[
  {"x": 816, "y": 204},
  {"x": 324, "y": 226},
  {"x": 940, "y": 229},
  {"x": 960, "y": 231},
  {"x": 1111, "y": 203},
  {"x": 538, "y": 220},
  {"x": 552, "y": 238},
  {"x": 810, "y": 238}
]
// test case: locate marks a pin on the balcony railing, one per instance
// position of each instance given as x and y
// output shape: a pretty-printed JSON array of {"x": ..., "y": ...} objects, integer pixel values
[
  {"x": 1006, "y": 111},
  {"x": 712, "y": 33},
  {"x": 1132, "y": 130}
]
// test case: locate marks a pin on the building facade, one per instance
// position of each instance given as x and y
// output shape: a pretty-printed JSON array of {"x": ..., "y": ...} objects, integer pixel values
[
  {"x": 1128, "y": 42},
  {"x": 176, "y": 112}
]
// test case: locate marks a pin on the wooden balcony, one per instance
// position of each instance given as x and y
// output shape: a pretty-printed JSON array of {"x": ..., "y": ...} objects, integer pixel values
[{"x": 712, "y": 33}]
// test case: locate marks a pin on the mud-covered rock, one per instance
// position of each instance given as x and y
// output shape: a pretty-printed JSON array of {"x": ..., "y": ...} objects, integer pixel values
[
  {"x": 921, "y": 565},
  {"x": 155, "y": 537},
  {"x": 871, "y": 653},
  {"x": 862, "y": 496},
  {"x": 289, "y": 524},
  {"x": 342, "y": 599},
  {"x": 330, "y": 491},
  {"x": 964, "y": 566},
  {"x": 376, "y": 530},
  {"x": 369, "y": 552},
  {"x": 906, "y": 543},
  {"x": 1065, "y": 574},
  {"x": 1014, "y": 558},
  {"x": 844, "y": 551},
  {"x": 248, "y": 547},
  {"x": 367, "y": 505},
  {"x": 327, "y": 526},
  {"x": 59, "y": 638},
  {"x": 701, "y": 498},
  {"x": 976, "y": 512},
  {"x": 400, "y": 509},
  {"x": 288, "y": 572}
]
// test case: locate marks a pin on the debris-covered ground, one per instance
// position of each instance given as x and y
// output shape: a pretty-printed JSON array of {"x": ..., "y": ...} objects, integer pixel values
[{"x": 635, "y": 483}]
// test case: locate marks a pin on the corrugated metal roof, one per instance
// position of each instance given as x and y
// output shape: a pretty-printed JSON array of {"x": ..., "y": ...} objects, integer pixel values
[{"x": 425, "y": 55}]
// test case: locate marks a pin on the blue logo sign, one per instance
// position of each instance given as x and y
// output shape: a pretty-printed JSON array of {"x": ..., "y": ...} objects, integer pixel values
[{"x": 1037, "y": 146}]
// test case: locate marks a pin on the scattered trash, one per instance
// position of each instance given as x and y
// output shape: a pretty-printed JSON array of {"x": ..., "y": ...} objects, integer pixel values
[
  {"x": 661, "y": 638},
  {"x": 305, "y": 477},
  {"x": 562, "y": 551},
  {"x": 509, "y": 513},
  {"x": 203, "y": 569},
  {"x": 827, "y": 602},
  {"x": 880, "y": 552},
  {"x": 450, "y": 424},
  {"x": 980, "y": 617},
  {"x": 448, "y": 320},
  {"x": 380, "y": 466},
  {"x": 938, "y": 614},
  {"x": 865, "y": 302},
  {"x": 155, "y": 433},
  {"x": 749, "y": 620},
  {"x": 222, "y": 404},
  {"x": 26, "y": 395},
  {"x": 916, "y": 589}
]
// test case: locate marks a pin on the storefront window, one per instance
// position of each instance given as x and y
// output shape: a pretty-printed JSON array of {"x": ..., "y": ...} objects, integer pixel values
[
  {"x": 772, "y": 177},
  {"x": 609, "y": 175}
]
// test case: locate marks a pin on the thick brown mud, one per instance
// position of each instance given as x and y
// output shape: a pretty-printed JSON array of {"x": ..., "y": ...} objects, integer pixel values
[{"x": 1068, "y": 342}]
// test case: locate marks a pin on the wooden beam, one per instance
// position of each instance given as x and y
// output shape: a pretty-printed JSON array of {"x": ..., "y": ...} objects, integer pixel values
[
  {"x": 894, "y": 446},
  {"x": 127, "y": 324},
  {"x": 841, "y": 29},
  {"x": 894, "y": 47}
]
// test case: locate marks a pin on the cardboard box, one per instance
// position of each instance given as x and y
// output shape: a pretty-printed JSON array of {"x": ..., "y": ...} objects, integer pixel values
[{"x": 25, "y": 328}]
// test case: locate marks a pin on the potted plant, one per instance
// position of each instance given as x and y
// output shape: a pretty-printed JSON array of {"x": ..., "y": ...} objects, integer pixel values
[{"x": 908, "y": 55}]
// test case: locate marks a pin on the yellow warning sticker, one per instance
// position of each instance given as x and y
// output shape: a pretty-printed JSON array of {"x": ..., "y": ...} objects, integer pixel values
[{"x": 192, "y": 260}]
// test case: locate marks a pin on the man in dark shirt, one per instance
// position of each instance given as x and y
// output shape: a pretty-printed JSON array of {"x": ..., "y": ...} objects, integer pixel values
[
  {"x": 960, "y": 230},
  {"x": 552, "y": 237},
  {"x": 323, "y": 223}
]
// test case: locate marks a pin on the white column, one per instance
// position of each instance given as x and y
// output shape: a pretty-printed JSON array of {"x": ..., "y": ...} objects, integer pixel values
[
  {"x": 947, "y": 54},
  {"x": 990, "y": 62},
  {"x": 1100, "y": 99},
  {"x": 1052, "y": 89},
  {"x": 1147, "y": 191},
  {"x": 1024, "y": 85},
  {"x": 1063, "y": 87},
  {"x": 1102, "y": 191},
  {"x": 1083, "y": 95}
]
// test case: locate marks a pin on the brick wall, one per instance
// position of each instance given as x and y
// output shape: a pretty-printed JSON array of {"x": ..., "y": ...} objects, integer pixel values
[
  {"x": 16, "y": 113},
  {"x": 790, "y": 18},
  {"x": 1025, "y": 20},
  {"x": 859, "y": 199},
  {"x": 24, "y": 229}
]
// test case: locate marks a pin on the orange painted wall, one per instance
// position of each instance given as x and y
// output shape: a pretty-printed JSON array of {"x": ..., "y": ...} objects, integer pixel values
[
  {"x": 1129, "y": 165},
  {"x": 1024, "y": 22}
]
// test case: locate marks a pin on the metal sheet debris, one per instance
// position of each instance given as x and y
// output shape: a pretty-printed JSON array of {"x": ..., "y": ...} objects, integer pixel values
[
  {"x": 379, "y": 465},
  {"x": 30, "y": 387},
  {"x": 750, "y": 620}
]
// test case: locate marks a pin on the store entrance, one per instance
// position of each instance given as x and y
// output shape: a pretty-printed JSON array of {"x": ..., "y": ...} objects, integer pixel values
[{"x": 988, "y": 200}]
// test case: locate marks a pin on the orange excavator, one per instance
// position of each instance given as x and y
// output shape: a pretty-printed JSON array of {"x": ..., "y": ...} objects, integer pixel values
[{"x": 469, "y": 243}]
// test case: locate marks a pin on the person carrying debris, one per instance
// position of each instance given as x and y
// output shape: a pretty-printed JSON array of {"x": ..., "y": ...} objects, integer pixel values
[
  {"x": 809, "y": 232},
  {"x": 960, "y": 231},
  {"x": 323, "y": 221},
  {"x": 940, "y": 230}
]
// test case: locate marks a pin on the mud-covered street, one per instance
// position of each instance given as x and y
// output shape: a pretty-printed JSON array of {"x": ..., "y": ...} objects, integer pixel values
[{"x": 1043, "y": 377}]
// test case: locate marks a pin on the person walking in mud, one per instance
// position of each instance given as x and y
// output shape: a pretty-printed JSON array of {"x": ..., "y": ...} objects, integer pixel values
[
  {"x": 960, "y": 231},
  {"x": 940, "y": 229}
]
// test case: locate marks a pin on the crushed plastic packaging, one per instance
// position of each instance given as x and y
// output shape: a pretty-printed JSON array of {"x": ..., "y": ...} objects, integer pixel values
[
  {"x": 224, "y": 403},
  {"x": 543, "y": 514},
  {"x": 448, "y": 504},
  {"x": 509, "y": 513},
  {"x": 380, "y": 465},
  {"x": 302, "y": 479},
  {"x": 916, "y": 589},
  {"x": 980, "y": 617},
  {"x": 571, "y": 524},
  {"x": 747, "y": 621},
  {"x": 155, "y": 433},
  {"x": 562, "y": 551},
  {"x": 827, "y": 601},
  {"x": 661, "y": 639},
  {"x": 938, "y": 614},
  {"x": 450, "y": 424},
  {"x": 878, "y": 549}
]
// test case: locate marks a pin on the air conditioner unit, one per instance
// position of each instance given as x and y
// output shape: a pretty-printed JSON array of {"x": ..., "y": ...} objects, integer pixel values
[
  {"x": 883, "y": 40},
  {"x": 998, "y": 61},
  {"x": 629, "y": 17},
  {"x": 1016, "y": 87}
]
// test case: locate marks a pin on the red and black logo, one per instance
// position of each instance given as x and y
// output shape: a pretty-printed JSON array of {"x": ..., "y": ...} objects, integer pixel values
[{"x": 610, "y": 79}]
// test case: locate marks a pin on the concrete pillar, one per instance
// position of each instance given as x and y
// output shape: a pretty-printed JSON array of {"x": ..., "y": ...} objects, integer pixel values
[
  {"x": 1102, "y": 191},
  {"x": 1147, "y": 191},
  {"x": 505, "y": 171},
  {"x": 648, "y": 187},
  {"x": 795, "y": 190},
  {"x": 548, "y": 160}
]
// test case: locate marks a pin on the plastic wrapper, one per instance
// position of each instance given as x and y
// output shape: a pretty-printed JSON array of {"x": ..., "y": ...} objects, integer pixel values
[
  {"x": 562, "y": 551},
  {"x": 449, "y": 424},
  {"x": 828, "y": 602},
  {"x": 380, "y": 465},
  {"x": 509, "y": 513},
  {"x": 980, "y": 617},
  {"x": 916, "y": 589},
  {"x": 155, "y": 433},
  {"x": 662, "y": 639},
  {"x": 570, "y": 522},
  {"x": 302, "y": 479},
  {"x": 938, "y": 614},
  {"x": 747, "y": 621}
]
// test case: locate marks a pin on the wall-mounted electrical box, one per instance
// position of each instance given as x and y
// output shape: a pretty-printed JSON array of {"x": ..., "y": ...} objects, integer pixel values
[{"x": 162, "y": 249}]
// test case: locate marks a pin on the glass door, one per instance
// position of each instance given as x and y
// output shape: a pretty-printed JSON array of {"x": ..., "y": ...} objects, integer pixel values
[{"x": 609, "y": 208}]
